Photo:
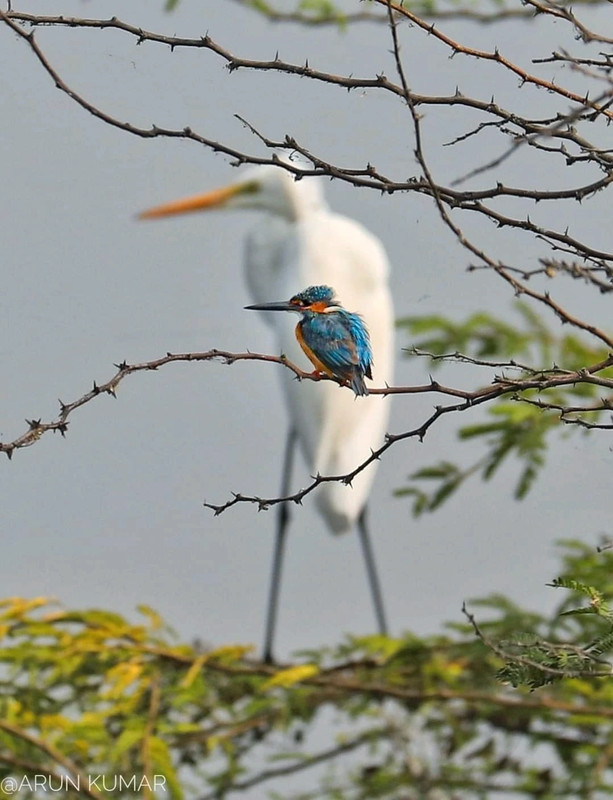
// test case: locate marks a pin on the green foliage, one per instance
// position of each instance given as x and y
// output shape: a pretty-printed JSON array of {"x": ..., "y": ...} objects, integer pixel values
[
  {"x": 521, "y": 419},
  {"x": 304, "y": 10},
  {"x": 88, "y": 693},
  {"x": 481, "y": 335},
  {"x": 321, "y": 9},
  {"x": 541, "y": 657},
  {"x": 315, "y": 12},
  {"x": 597, "y": 602},
  {"x": 449, "y": 478}
]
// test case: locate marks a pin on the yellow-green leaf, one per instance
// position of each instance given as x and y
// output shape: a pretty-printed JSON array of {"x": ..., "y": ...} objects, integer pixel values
[{"x": 291, "y": 676}]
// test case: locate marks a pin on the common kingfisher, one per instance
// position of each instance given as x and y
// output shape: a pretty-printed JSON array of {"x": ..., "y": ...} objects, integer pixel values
[{"x": 334, "y": 340}]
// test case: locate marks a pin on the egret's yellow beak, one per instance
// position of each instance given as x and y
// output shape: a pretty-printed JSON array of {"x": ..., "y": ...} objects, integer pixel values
[{"x": 201, "y": 202}]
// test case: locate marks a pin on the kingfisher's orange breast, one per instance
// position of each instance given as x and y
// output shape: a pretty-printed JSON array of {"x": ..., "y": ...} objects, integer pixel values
[{"x": 310, "y": 354}]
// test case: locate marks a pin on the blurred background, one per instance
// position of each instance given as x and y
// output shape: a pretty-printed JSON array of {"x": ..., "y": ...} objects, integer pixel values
[{"x": 113, "y": 515}]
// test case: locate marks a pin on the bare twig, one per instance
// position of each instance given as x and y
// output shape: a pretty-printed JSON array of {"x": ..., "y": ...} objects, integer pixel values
[{"x": 305, "y": 762}]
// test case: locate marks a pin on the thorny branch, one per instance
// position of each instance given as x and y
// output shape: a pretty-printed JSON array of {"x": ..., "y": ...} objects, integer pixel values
[
  {"x": 501, "y": 385},
  {"x": 569, "y": 136},
  {"x": 564, "y": 127},
  {"x": 568, "y": 414},
  {"x": 36, "y": 428},
  {"x": 235, "y": 62},
  {"x": 499, "y": 268},
  {"x": 560, "y": 126}
]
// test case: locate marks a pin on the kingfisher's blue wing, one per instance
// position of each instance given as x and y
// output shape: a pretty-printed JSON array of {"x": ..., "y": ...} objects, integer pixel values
[{"x": 339, "y": 340}]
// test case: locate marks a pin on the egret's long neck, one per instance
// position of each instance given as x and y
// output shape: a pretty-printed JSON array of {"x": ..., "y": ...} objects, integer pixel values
[
  {"x": 306, "y": 199},
  {"x": 298, "y": 199}
]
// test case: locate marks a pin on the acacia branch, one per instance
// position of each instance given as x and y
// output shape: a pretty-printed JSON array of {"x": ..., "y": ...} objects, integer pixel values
[
  {"x": 496, "y": 57},
  {"x": 561, "y": 11},
  {"x": 502, "y": 385},
  {"x": 234, "y": 62},
  {"x": 518, "y": 287},
  {"x": 367, "y": 177},
  {"x": 36, "y": 428},
  {"x": 567, "y": 414},
  {"x": 579, "y": 652}
]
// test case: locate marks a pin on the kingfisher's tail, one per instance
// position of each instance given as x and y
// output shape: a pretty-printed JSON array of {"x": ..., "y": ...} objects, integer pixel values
[{"x": 358, "y": 385}]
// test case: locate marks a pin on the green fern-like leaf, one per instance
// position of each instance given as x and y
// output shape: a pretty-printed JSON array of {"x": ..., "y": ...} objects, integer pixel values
[
  {"x": 449, "y": 478},
  {"x": 602, "y": 645},
  {"x": 518, "y": 427},
  {"x": 576, "y": 586}
]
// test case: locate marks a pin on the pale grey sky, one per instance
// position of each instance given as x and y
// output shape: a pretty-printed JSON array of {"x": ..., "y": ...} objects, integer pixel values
[{"x": 112, "y": 516}]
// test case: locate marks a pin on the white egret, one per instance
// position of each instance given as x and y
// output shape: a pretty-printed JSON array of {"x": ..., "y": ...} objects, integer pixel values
[{"x": 299, "y": 242}]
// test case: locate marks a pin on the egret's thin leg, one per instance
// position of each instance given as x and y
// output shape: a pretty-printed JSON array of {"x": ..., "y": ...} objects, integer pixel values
[
  {"x": 371, "y": 570},
  {"x": 283, "y": 516}
]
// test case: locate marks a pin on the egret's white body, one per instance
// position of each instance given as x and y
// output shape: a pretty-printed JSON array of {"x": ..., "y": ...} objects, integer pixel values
[
  {"x": 310, "y": 245},
  {"x": 299, "y": 242}
]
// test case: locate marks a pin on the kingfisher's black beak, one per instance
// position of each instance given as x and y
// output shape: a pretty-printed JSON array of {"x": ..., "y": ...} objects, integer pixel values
[{"x": 284, "y": 306}]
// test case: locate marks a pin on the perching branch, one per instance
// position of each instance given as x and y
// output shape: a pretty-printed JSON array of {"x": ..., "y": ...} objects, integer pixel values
[
  {"x": 36, "y": 428},
  {"x": 501, "y": 385}
]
